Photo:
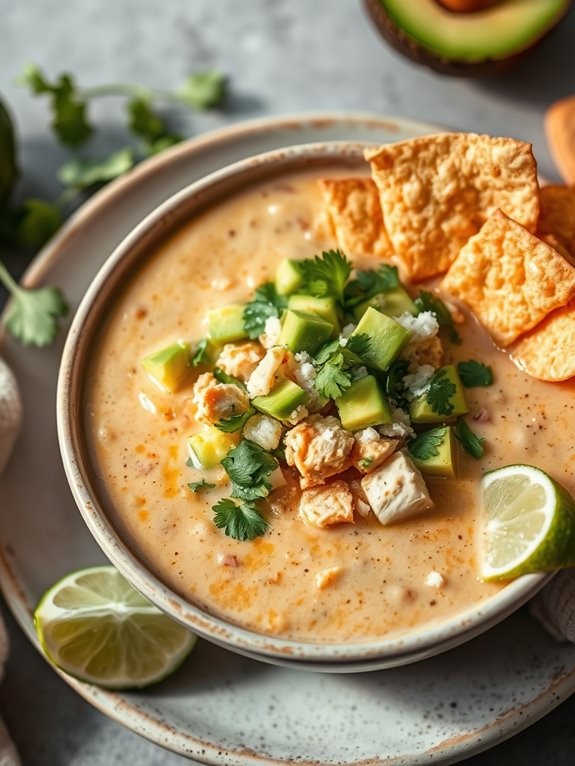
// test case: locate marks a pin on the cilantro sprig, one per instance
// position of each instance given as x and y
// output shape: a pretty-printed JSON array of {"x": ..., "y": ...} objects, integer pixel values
[
  {"x": 440, "y": 392},
  {"x": 34, "y": 316},
  {"x": 241, "y": 522},
  {"x": 470, "y": 442},
  {"x": 249, "y": 467},
  {"x": 266, "y": 303},
  {"x": 199, "y": 486},
  {"x": 473, "y": 373},
  {"x": 325, "y": 275},
  {"x": 235, "y": 422},
  {"x": 369, "y": 283},
  {"x": 426, "y": 444}
]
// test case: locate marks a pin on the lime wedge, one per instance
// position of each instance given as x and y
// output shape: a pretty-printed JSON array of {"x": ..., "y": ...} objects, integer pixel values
[
  {"x": 97, "y": 628},
  {"x": 529, "y": 523}
]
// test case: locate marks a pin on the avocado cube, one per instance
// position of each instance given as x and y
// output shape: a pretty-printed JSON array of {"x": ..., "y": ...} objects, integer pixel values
[
  {"x": 282, "y": 400},
  {"x": 388, "y": 338},
  {"x": 169, "y": 367},
  {"x": 363, "y": 405},
  {"x": 288, "y": 277},
  {"x": 421, "y": 410},
  {"x": 442, "y": 465},
  {"x": 209, "y": 446},
  {"x": 304, "y": 332},
  {"x": 226, "y": 324},
  {"x": 394, "y": 303},
  {"x": 325, "y": 308}
]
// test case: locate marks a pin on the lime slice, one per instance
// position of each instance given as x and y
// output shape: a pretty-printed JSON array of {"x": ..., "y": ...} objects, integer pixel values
[
  {"x": 95, "y": 626},
  {"x": 529, "y": 523}
]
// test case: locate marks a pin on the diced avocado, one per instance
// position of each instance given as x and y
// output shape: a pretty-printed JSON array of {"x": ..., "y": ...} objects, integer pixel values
[
  {"x": 288, "y": 277},
  {"x": 388, "y": 338},
  {"x": 326, "y": 308},
  {"x": 281, "y": 402},
  {"x": 495, "y": 33},
  {"x": 304, "y": 332},
  {"x": 169, "y": 367},
  {"x": 394, "y": 303},
  {"x": 421, "y": 410},
  {"x": 209, "y": 446},
  {"x": 444, "y": 463},
  {"x": 226, "y": 323},
  {"x": 363, "y": 405}
]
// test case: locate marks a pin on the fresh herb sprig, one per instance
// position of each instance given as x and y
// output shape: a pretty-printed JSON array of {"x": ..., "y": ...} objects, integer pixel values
[
  {"x": 241, "y": 522},
  {"x": 34, "y": 315},
  {"x": 440, "y": 392},
  {"x": 249, "y": 467},
  {"x": 369, "y": 283},
  {"x": 235, "y": 422},
  {"x": 426, "y": 444},
  {"x": 266, "y": 303},
  {"x": 335, "y": 364},
  {"x": 200, "y": 486},
  {"x": 471, "y": 443},
  {"x": 326, "y": 275},
  {"x": 473, "y": 373}
]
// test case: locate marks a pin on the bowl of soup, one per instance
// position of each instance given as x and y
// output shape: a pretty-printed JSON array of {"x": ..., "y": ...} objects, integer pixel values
[{"x": 241, "y": 405}]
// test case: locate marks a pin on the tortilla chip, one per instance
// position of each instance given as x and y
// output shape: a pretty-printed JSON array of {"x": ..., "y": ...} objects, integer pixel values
[
  {"x": 437, "y": 191},
  {"x": 354, "y": 212},
  {"x": 558, "y": 215},
  {"x": 509, "y": 278},
  {"x": 548, "y": 351}
]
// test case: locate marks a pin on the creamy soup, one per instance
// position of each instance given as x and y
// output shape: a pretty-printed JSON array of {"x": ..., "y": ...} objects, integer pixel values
[{"x": 352, "y": 582}]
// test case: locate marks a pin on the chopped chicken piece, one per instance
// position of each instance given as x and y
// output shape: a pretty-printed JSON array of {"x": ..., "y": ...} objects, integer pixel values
[
  {"x": 240, "y": 361},
  {"x": 427, "y": 352},
  {"x": 369, "y": 454},
  {"x": 325, "y": 506},
  {"x": 277, "y": 362},
  {"x": 326, "y": 577},
  {"x": 264, "y": 430},
  {"x": 435, "y": 580},
  {"x": 216, "y": 401},
  {"x": 318, "y": 448},
  {"x": 272, "y": 332},
  {"x": 396, "y": 490},
  {"x": 298, "y": 414}
]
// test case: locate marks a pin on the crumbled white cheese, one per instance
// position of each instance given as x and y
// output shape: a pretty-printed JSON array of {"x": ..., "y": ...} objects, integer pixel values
[
  {"x": 423, "y": 326},
  {"x": 305, "y": 374},
  {"x": 298, "y": 414},
  {"x": 435, "y": 580},
  {"x": 272, "y": 331},
  {"x": 342, "y": 341},
  {"x": 417, "y": 382},
  {"x": 400, "y": 416},
  {"x": 366, "y": 435},
  {"x": 264, "y": 431},
  {"x": 396, "y": 431},
  {"x": 359, "y": 372},
  {"x": 347, "y": 330}
]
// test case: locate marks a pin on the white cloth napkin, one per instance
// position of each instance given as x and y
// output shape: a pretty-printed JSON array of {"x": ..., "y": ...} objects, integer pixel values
[{"x": 10, "y": 419}]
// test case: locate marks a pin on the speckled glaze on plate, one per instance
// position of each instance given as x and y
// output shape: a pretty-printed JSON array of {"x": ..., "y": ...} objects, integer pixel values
[{"x": 220, "y": 707}]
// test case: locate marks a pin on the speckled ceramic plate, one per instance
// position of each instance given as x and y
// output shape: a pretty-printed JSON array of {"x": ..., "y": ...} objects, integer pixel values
[{"x": 220, "y": 707}]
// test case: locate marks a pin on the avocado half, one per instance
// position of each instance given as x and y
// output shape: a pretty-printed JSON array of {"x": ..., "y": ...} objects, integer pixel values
[{"x": 477, "y": 43}]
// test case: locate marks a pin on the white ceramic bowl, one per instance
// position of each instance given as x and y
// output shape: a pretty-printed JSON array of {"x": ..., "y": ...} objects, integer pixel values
[{"x": 91, "y": 500}]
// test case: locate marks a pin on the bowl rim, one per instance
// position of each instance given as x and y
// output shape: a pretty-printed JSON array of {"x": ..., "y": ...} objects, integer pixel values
[{"x": 385, "y": 652}]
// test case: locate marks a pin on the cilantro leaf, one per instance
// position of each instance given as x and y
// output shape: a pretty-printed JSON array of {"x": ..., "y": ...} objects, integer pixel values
[
  {"x": 223, "y": 377},
  {"x": 200, "y": 355},
  {"x": 241, "y": 522},
  {"x": 326, "y": 352},
  {"x": 159, "y": 144},
  {"x": 425, "y": 444},
  {"x": 332, "y": 380},
  {"x": 236, "y": 422},
  {"x": 367, "y": 284},
  {"x": 439, "y": 393},
  {"x": 70, "y": 122},
  {"x": 473, "y": 373},
  {"x": 429, "y": 302},
  {"x": 249, "y": 467},
  {"x": 365, "y": 462},
  {"x": 33, "y": 316},
  {"x": 198, "y": 486},
  {"x": 393, "y": 385},
  {"x": 203, "y": 90},
  {"x": 325, "y": 275},
  {"x": 36, "y": 222},
  {"x": 470, "y": 442},
  {"x": 359, "y": 345},
  {"x": 84, "y": 174},
  {"x": 266, "y": 303},
  {"x": 144, "y": 121}
]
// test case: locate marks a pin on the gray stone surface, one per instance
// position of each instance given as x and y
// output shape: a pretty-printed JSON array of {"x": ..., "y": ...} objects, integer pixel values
[{"x": 282, "y": 56}]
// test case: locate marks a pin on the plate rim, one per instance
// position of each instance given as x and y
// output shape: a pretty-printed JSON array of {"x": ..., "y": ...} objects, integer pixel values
[{"x": 113, "y": 704}]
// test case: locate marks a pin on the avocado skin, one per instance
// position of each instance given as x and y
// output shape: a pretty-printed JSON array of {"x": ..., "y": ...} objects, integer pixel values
[{"x": 411, "y": 49}]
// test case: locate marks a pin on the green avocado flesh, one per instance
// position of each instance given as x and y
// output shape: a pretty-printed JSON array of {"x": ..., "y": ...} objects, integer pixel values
[
  {"x": 304, "y": 332},
  {"x": 169, "y": 367},
  {"x": 495, "y": 33},
  {"x": 443, "y": 464},
  {"x": 388, "y": 338},
  {"x": 363, "y": 405},
  {"x": 393, "y": 303},
  {"x": 226, "y": 324},
  {"x": 326, "y": 308},
  {"x": 281, "y": 402}
]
